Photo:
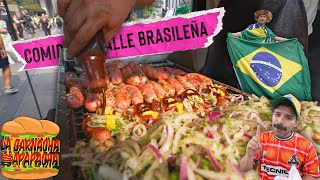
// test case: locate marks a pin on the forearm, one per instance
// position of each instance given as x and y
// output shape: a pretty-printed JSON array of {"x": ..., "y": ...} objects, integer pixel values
[
  {"x": 1, "y": 44},
  {"x": 246, "y": 163},
  {"x": 143, "y": 3},
  {"x": 277, "y": 38},
  {"x": 3, "y": 30},
  {"x": 237, "y": 34},
  {"x": 307, "y": 177}
]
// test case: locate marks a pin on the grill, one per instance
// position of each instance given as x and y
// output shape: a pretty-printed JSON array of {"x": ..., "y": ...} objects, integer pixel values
[{"x": 69, "y": 120}]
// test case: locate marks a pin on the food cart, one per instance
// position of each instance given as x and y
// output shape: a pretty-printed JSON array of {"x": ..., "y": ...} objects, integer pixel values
[{"x": 233, "y": 125}]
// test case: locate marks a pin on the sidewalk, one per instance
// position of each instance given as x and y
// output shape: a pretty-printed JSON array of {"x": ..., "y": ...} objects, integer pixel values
[{"x": 22, "y": 103}]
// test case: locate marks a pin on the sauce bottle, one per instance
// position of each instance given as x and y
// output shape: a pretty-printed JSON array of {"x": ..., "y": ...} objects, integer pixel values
[{"x": 92, "y": 59}]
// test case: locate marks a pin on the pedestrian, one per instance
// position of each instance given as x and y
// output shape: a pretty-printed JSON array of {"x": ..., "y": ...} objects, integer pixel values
[
  {"x": 259, "y": 32},
  {"x": 6, "y": 71},
  {"x": 83, "y": 19},
  {"x": 4, "y": 17},
  {"x": 276, "y": 151},
  {"x": 45, "y": 24},
  {"x": 28, "y": 24},
  {"x": 59, "y": 25},
  {"x": 6, "y": 38},
  {"x": 18, "y": 26}
]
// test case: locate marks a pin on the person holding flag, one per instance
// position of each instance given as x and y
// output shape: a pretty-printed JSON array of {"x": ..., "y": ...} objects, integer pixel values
[
  {"x": 276, "y": 151},
  {"x": 268, "y": 65},
  {"x": 259, "y": 32}
]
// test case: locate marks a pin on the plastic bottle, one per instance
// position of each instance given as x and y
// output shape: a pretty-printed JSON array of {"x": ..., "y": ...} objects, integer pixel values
[{"x": 92, "y": 59}]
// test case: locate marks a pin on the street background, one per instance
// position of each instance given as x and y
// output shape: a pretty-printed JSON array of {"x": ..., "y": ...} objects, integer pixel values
[{"x": 22, "y": 103}]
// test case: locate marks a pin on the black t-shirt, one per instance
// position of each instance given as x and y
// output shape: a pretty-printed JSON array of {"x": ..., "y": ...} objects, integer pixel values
[
  {"x": 27, "y": 21},
  {"x": 44, "y": 23},
  {"x": 9, "y": 28}
]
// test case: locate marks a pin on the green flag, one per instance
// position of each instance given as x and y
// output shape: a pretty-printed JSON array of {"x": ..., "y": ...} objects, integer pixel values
[{"x": 271, "y": 69}]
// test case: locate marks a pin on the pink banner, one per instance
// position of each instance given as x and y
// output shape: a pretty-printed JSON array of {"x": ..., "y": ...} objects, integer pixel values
[
  {"x": 38, "y": 53},
  {"x": 190, "y": 31},
  {"x": 184, "y": 32}
]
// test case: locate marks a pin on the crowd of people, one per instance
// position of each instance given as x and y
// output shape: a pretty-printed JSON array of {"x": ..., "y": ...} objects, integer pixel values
[{"x": 24, "y": 25}]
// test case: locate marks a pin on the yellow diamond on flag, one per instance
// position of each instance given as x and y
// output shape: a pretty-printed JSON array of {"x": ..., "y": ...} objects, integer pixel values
[{"x": 268, "y": 69}]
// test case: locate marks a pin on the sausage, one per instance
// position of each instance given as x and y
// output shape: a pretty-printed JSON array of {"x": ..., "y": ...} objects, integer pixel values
[
  {"x": 84, "y": 80},
  {"x": 176, "y": 84},
  {"x": 107, "y": 76},
  {"x": 129, "y": 77},
  {"x": 135, "y": 94},
  {"x": 115, "y": 63},
  {"x": 75, "y": 98},
  {"x": 100, "y": 133},
  {"x": 161, "y": 74},
  {"x": 175, "y": 72},
  {"x": 70, "y": 74},
  {"x": 92, "y": 103},
  {"x": 73, "y": 101},
  {"x": 136, "y": 69},
  {"x": 115, "y": 75},
  {"x": 77, "y": 91},
  {"x": 170, "y": 90},
  {"x": 199, "y": 80},
  {"x": 123, "y": 99},
  {"x": 72, "y": 81},
  {"x": 160, "y": 92},
  {"x": 147, "y": 92},
  {"x": 110, "y": 98},
  {"x": 154, "y": 73},
  {"x": 185, "y": 82},
  {"x": 85, "y": 128}
]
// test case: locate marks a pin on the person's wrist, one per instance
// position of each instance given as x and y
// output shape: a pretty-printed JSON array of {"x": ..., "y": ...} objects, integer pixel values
[{"x": 249, "y": 156}]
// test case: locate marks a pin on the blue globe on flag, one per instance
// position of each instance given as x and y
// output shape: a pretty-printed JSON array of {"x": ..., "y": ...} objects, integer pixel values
[{"x": 266, "y": 68}]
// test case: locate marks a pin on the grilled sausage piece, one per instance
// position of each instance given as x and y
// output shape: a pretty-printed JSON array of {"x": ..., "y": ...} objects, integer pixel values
[
  {"x": 175, "y": 72},
  {"x": 136, "y": 69},
  {"x": 123, "y": 99},
  {"x": 185, "y": 82},
  {"x": 176, "y": 84},
  {"x": 115, "y": 75},
  {"x": 92, "y": 103},
  {"x": 147, "y": 92},
  {"x": 160, "y": 92},
  {"x": 135, "y": 94},
  {"x": 77, "y": 91},
  {"x": 161, "y": 74},
  {"x": 84, "y": 80},
  {"x": 129, "y": 77},
  {"x": 198, "y": 80},
  {"x": 154, "y": 73},
  {"x": 115, "y": 63},
  {"x": 73, "y": 101},
  {"x": 110, "y": 98},
  {"x": 170, "y": 90}
]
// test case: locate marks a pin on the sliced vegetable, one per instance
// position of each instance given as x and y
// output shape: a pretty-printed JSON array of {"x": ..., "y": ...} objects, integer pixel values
[
  {"x": 156, "y": 152},
  {"x": 214, "y": 163},
  {"x": 183, "y": 169},
  {"x": 214, "y": 115}
]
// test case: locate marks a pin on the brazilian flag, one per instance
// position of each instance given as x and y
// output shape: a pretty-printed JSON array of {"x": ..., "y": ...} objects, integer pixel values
[{"x": 271, "y": 69}]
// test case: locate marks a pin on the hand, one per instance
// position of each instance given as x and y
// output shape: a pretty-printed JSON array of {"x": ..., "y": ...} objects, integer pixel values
[
  {"x": 254, "y": 145},
  {"x": 3, "y": 53},
  {"x": 84, "y": 18}
]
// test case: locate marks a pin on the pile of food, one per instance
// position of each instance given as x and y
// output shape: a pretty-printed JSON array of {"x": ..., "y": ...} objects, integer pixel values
[
  {"x": 189, "y": 146},
  {"x": 163, "y": 123},
  {"x": 137, "y": 95}
]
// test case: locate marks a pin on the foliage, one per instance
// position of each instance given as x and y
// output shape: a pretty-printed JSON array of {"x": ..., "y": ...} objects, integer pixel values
[{"x": 30, "y": 5}]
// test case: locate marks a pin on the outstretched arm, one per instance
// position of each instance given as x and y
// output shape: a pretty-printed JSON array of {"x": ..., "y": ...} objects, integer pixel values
[
  {"x": 83, "y": 19},
  {"x": 277, "y": 38},
  {"x": 237, "y": 34}
]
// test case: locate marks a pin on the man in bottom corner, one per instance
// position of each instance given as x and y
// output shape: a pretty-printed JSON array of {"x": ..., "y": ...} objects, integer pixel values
[{"x": 276, "y": 151}]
